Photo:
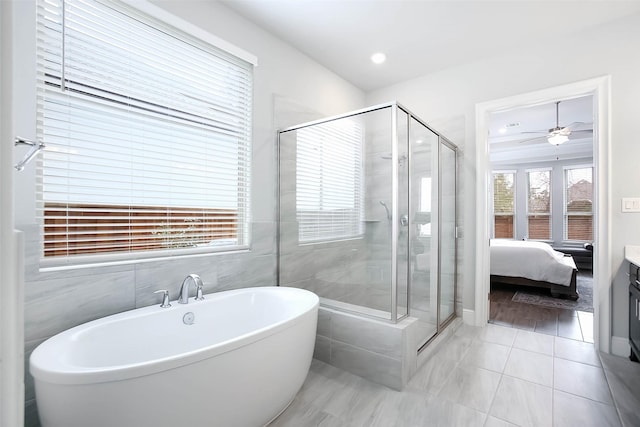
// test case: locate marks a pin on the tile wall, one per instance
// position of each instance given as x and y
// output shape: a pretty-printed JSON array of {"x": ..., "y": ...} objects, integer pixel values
[{"x": 56, "y": 301}]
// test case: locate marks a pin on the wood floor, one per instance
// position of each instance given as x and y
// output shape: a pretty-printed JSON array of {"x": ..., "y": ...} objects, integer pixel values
[{"x": 577, "y": 325}]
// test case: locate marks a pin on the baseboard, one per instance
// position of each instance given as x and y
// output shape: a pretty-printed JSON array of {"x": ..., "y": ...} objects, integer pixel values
[
  {"x": 620, "y": 346},
  {"x": 469, "y": 316}
]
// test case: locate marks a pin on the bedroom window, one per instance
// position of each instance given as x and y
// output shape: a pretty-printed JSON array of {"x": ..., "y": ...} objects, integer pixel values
[
  {"x": 148, "y": 133},
  {"x": 539, "y": 204},
  {"x": 504, "y": 204},
  {"x": 329, "y": 188},
  {"x": 578, "y": 203}
]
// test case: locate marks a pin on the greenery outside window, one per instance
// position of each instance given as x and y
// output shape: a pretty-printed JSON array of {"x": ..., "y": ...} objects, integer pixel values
[
  {"x": 504, "y": 204},
  {"x": 539, "y": 204}
]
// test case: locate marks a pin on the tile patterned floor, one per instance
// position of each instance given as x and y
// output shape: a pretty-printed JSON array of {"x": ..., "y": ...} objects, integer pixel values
[
  {"x": 492, "y": 376},
  {"x": 576, "y": 325}
]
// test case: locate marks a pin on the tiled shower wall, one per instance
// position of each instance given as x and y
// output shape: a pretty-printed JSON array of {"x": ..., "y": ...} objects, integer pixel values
[{"x": 56, "y": 301}]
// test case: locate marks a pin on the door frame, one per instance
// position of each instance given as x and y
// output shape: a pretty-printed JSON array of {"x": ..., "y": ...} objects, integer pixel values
[{"x": 600, "y": 89}]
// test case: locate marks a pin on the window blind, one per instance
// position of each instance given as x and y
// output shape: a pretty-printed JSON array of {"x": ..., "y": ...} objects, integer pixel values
[
  {"x": 148, "y": 134},
  {"x": 539, "y": 204},
  {"x": 578, "y": 221},
  {"x": 504, "y": 204},
  {"x": 329, "y": 174}
]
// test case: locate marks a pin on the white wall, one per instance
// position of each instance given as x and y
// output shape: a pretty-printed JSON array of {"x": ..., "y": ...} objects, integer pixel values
[
  {"x": 11, "y": 297},
  {"x": 607, "y": 50}
]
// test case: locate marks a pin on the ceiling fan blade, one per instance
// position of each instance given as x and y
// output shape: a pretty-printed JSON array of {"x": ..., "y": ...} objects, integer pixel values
[
  {"x": 541, "y": 138},
  {"x": 579, "y": 134},
  {"x": 579, "y": 126}
]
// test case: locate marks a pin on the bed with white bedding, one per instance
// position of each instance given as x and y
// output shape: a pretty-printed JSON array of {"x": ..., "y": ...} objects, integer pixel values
[{"x": 533, "y": 264}]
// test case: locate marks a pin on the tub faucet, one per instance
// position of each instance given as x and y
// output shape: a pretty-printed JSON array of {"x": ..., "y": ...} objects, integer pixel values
[{"x": 184, "y": 289}]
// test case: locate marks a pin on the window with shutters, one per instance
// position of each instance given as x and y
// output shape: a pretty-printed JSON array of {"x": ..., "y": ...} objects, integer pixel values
[
  {"x": 148, "y": 134},
  {"x": 539, "y": 204},
  {"x": 504, "y": 204},
  {"x": 329, "y": 176},
  {"x": 578, "y": 203}
]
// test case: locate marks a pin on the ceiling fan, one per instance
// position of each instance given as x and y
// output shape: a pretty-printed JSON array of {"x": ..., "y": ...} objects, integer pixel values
[{"x": 559, "y": 135}]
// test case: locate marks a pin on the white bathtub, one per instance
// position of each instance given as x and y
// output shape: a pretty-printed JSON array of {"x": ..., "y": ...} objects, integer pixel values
[{"x": 240, "y": 363}]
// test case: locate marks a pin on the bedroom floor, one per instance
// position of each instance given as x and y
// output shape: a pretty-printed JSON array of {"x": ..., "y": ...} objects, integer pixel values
[
  {"x": 573, "y": 324},
  {"x": 493, "y": 376}
]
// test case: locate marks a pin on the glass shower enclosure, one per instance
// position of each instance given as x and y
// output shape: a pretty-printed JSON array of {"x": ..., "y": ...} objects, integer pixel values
[{"x": 367, "y": 215}]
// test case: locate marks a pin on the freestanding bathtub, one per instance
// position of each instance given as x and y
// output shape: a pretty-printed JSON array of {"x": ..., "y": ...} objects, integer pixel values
[{"x": 240, "y": 362}]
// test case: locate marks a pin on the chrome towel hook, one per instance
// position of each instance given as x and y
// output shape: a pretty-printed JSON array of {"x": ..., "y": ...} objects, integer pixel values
[{"x": 35, "y": 147}]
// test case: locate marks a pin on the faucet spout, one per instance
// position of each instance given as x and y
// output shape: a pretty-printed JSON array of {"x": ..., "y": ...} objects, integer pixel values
[{"x": 184, "y": 289}]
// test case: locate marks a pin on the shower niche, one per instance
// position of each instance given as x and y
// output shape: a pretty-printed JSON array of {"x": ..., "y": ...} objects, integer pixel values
[{"x": 367, "y": 221}]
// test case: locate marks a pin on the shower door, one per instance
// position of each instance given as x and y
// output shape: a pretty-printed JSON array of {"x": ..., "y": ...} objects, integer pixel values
[
  {"x": 423, "y": 215},
  {"x": 447, "y": 231}
]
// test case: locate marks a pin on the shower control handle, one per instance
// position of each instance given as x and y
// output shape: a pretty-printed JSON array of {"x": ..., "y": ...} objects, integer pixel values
[{"x": 404, "y": 220}]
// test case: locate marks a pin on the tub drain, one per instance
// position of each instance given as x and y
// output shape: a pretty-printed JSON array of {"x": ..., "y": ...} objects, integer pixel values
[{"x": 188, "y": 318}]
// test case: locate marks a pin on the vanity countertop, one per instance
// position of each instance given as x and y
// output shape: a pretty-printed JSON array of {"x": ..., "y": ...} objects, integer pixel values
[{"x": 632, "y": 254}]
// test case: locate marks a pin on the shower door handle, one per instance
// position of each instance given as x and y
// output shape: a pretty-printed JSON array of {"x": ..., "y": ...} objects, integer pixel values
[{"x": 404, "y": 220}]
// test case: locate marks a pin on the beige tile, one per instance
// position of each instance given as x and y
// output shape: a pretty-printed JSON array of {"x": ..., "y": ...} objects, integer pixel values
[
  {"x": 570, "y": 411},
  {"x": 581, "y": 379},
  {"x": 487, "y": 355},
  {"x": 443, "y": 413},
  {"x": 456, "y": 348},
  {"x": 498, "y": 334},
  {"x": 432, "y": 376},
  {"x": 530, "y": 366},
  {"x": 300, "y": 413},
  {"x": 577, "y": 351},
  {"x": 532, "y": 341},
  {"x": 497, "y": 422},
  {"x": 472, "y": 387},
  {"x": 523, "y": 403}
]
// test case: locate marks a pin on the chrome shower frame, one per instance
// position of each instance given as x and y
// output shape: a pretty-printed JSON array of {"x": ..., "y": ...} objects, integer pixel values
[{"x": 395, "y": 108}]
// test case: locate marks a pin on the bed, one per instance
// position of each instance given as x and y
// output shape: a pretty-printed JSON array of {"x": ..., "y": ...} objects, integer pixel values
[{"x": 537, "y": 264}]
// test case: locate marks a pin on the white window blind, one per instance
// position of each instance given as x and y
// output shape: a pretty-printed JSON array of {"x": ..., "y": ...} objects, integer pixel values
[
  {"x": 578, "y": 206},
  {"x": 539, "y": 204},
  {"x": 148, "y": 134},
  {"x": 504, "y": 205},
  {"x": 329, "y": 176}
]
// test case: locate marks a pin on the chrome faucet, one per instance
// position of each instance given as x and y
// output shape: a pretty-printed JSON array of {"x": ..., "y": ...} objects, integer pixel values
[{"x": 184, "y": 289}]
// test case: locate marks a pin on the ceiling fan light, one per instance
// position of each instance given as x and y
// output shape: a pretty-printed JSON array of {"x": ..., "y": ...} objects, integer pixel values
[{"x": 557, "y": 139}]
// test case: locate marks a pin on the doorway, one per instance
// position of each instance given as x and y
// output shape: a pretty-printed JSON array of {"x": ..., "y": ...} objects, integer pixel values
[
  {"x": 541, "y": 195},
  {"x": 599, "y": 88}
]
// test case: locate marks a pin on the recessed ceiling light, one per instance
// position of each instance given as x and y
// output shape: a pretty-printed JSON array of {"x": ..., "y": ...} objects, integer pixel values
[
  {"x": 502, "y": 130},
  {"x": 378, "y": 58}
]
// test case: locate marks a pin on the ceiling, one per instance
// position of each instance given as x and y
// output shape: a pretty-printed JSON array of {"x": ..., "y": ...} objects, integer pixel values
[
  {"x": 419, "y": 36},
  {"x": 519, "y": 135}
]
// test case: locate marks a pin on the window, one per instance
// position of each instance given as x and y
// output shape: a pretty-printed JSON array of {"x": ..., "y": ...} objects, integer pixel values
[
  {"x": 148, "y": 133},
  {"x": 578, "y": 203},
  {"x": 539, "y": 204},
  {"x": 329, "y": 181},
  {"x": 504, "y": 204}
]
